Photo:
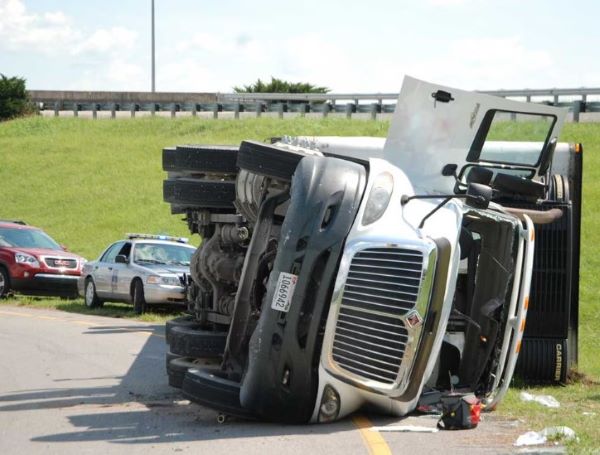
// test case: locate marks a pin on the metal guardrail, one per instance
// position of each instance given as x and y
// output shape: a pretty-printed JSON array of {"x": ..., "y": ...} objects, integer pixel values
[{"x": 279, "y": 103}]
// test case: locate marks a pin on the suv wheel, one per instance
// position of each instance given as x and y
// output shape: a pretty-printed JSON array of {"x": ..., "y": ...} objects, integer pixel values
[
  {"x": 4, "y": 282},
  {"x": 90, "y": 297}
]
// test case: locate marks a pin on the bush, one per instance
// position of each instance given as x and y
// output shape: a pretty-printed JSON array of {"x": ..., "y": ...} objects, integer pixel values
[
  {"x": 14, "y": 99},
  {"x": 280, "y": 86}
]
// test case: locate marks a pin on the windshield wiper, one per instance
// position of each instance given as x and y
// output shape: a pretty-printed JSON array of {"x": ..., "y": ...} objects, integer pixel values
[{"x": 151, "y": 261}]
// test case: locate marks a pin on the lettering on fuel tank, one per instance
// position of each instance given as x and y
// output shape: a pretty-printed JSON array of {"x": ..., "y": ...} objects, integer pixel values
[
  {"x": 559, "y": 361},
  {"x": 284, "y": 291}
]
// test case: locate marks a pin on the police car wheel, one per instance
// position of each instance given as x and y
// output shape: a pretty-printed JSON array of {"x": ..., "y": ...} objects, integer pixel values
[
  {"x": 90, "y": 297},
  {"x": 139, "y": 301}
]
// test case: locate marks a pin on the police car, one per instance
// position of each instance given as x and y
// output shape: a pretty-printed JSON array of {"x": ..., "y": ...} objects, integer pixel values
[{"x": 142, "y": 269}]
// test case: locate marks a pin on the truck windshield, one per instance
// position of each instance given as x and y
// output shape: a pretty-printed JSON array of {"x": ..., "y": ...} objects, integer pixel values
[
  {"x": 160, "y": 253},
  {"x": 512, "y": 138},
  {"x": 27, "y": 238}
]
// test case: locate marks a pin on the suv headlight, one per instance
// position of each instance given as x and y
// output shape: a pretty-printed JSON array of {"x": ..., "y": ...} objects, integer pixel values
[
  {"x": 28, "y": 259},
  {"x": 379, "y": 198}
]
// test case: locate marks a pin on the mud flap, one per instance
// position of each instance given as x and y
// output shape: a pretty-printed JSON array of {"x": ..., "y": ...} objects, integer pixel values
[{"x": 281, "y": 380}]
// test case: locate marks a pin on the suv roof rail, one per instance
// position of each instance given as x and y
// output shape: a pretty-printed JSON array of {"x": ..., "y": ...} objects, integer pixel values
[
  {"x": 170, "y": 238},
  {"x": 23, "y": 223}
]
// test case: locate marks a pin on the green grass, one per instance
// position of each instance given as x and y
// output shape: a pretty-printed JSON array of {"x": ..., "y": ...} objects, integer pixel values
[
  {"x": 112, "y": 309},
  {"x": 88, "y": 182}
]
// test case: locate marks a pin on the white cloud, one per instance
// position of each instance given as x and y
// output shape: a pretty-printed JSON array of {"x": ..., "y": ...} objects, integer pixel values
[
  {"x": 20, "y": 30},
  {"x": 103, "y": 53},
  {"x": 487, "y": 63},
  {"x": 106, "y": 41}
]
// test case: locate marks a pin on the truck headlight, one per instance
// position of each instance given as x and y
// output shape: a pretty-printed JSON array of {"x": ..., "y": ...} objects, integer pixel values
[
  {"x": 379, "y": 198},
  {"x": 28, "y": 259},
  {"x": 330, "y": 405}
]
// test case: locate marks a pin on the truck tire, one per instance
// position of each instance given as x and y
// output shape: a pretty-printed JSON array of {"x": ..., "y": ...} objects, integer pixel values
[
  {"x": 183, "y": 321},
  {"x": 178, "y": 366},
  {"x": 207, "y": 387},
  {"x": 198, "y": 343},
  {"x": 268, "y": 160},
  {"x": 199, "y": 193},
  {"x": 219, "y": 159}
]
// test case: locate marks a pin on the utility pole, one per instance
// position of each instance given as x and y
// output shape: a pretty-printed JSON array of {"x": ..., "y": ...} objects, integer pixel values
[{"x": 153, "y": 62}]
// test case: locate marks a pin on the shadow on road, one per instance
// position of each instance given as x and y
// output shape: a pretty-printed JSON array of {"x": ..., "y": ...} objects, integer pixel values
[{"x": 140, "y": 407}]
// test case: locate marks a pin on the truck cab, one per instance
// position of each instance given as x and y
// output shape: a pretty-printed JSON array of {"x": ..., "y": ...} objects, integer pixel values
[{"x": 366, "y": 273}]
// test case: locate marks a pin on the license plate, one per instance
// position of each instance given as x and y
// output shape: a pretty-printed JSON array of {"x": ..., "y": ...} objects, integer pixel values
[{"x": 284, "y": 291}]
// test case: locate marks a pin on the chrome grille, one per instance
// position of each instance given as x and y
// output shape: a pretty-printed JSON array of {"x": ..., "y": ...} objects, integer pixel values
[
  {"x": 57, "y": 263},
  {"x": 382, "y": 286}
]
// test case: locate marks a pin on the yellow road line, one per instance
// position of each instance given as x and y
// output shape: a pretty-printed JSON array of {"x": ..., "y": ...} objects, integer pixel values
[
  {"x": 372, "y": 439},
  {"x": 11, "y": 313},
  {"x": 83, "y": 323}
]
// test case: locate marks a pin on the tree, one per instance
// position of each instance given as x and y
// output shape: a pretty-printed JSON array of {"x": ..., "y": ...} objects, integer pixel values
[
  {"x": 280, "y": 86},
  {"x": 14, "y": 99}
]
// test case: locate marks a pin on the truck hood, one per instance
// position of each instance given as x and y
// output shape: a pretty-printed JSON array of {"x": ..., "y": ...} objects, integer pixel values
[{"x": 434, "y": 125}]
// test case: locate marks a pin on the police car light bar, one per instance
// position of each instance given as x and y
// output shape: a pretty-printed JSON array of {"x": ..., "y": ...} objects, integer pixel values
[{"x": 157, "y": 237}]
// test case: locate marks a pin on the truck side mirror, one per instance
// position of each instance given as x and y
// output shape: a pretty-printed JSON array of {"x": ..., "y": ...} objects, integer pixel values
[{"x": 478, "y": 195}]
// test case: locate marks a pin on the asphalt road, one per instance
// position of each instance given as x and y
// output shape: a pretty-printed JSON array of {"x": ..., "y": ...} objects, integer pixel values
[{"x": 76, "y": 384}]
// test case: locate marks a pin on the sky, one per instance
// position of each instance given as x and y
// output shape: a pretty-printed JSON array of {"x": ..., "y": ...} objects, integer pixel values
[{"x": 349, "y": 46}]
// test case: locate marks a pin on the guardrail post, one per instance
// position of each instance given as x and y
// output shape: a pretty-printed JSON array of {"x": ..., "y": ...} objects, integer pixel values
[
  {"x": 75, "y": 109},
  {"x": 173, "y": 109},
  {"x": 349, "y": 110},
  {"x": 153, "y": 109},
  {"x": 113, "y": 110},
  {"x": 132, "y": 110},
  {"x": 94, "y": 111},
  {"x": 326, "y": 109},
  {"x": 258, "y": 109},
  {"x": 303, "y": 109},
  {"x": 280, "y": 110},
  {"x": 236, "y": 111},
  {"x": 374, "y": 107},
  {"x": 577, "y": 105},
  {"x": 556, "y": 100},
  {"x": 194, "y": 109},
  {"x": 216, "y": 111},
  {"x": 56, "y": 108}
]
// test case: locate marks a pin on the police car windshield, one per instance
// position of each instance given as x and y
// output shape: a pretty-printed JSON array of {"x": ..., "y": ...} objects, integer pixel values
[
  {"x": 160, "y": 253},
  {"x": 27, "y": 238}
]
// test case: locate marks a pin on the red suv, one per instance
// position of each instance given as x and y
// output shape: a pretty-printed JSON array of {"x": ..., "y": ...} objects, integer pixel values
[{"x": 31, "y": 262}]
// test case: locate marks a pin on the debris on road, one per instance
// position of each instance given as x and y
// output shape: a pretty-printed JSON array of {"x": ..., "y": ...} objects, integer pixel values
[
  {"x": 545, "y": 400},
  {"x": 541, "y": 437}
]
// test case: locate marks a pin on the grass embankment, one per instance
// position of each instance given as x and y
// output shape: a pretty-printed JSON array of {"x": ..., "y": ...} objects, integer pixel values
[{"x": 89, "y": 182}]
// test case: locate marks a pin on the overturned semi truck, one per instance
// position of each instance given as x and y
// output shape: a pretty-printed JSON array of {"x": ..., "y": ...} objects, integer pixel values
[{"x": 338, "y": 273}]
